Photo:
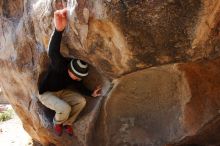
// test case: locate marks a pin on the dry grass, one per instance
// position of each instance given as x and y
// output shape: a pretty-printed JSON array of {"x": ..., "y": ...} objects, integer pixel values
[{"x": 6, "y": 115}]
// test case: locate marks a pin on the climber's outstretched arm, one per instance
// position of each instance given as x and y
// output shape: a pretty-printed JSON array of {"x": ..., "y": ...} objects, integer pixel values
[{"x": 60, "y": 21}]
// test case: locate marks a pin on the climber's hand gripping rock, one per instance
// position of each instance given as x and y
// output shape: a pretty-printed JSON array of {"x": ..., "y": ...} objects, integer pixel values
[{"x": 60, "y": 19}]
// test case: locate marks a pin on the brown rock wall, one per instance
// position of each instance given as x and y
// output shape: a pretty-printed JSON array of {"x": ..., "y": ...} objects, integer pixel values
[
  {"x": 12, "y": 8},
  {"x": 201, "y": 113},
  {"x": 206, "y": 40},
  {"x": 144, "y": 108},
  {"x": 158, "y": 31},
  {"x": 175, "y": 104}
]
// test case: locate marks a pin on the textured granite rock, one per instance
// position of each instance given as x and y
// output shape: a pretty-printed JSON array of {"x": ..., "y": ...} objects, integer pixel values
[
  {"x": 180, "y": 102},
  {"x": 174, "y": 104}
]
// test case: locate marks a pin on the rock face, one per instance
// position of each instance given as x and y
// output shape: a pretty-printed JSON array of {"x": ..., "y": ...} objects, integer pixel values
[
  {"x": 176, "y": 104},
  {"x": 3, "y": 100}
]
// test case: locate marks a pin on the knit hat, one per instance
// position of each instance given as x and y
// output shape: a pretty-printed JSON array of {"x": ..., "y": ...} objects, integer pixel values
[{"x": 78, "y": 68}]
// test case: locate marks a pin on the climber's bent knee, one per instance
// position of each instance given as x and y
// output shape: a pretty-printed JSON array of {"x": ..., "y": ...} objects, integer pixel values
[
  {"x": 62, "y": 112},
  {"x": 82, "y": 102}
]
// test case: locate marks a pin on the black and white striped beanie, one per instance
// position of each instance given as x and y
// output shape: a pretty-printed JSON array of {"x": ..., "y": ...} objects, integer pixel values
[{"x": 78, "y": 68}]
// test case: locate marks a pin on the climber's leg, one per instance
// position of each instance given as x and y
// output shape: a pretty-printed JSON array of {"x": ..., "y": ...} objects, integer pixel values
[
  {"x": 54, "y": 101},
  {"x": 77, "y": 103}
]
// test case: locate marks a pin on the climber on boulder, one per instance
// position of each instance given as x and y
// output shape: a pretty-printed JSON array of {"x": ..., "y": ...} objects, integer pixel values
[{"x": 63, "y": 72}]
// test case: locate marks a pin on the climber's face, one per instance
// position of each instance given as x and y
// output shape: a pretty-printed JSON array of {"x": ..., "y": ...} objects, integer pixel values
[{"x": 74, "y": 77}]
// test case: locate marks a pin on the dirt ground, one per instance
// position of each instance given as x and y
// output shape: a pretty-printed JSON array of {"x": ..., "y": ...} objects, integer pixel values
[{"x": 13, "y": 134}]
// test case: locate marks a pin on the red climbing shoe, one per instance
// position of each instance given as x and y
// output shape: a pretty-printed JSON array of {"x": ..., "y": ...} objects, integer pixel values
[
  {"x": 69, "y": 129},
  {"x": 58, "y": 129}
]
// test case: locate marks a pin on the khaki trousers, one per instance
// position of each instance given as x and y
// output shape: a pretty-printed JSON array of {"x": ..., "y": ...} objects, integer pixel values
[{"x": 66, "y": 103}]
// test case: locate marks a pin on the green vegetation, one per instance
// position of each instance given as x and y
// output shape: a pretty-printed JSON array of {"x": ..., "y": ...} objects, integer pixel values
[{"x": 6, "y": 115}]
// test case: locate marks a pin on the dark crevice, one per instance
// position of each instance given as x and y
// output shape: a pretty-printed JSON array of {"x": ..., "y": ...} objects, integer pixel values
[
  {"x": 6, "y": 8},
  {"x": 47, "y": 113},
  {"x": 208, "y": 135},
  {"x": 3, "y": 33},
  {"x": 29, "y": 105}
]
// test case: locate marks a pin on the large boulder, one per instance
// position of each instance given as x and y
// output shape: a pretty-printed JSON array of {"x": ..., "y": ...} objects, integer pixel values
[
  {"x": 174, "y": 104},
  {"x": 118, "y": 38}
]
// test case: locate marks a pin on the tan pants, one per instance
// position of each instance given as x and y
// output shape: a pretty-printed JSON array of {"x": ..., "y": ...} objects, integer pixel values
[{"x": 66, "y": 103}]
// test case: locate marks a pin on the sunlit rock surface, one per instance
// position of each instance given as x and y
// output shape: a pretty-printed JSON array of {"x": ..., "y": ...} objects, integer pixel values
[
  {"x": 173, "y": 104},
  {"x": 176, "y": 104}
]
